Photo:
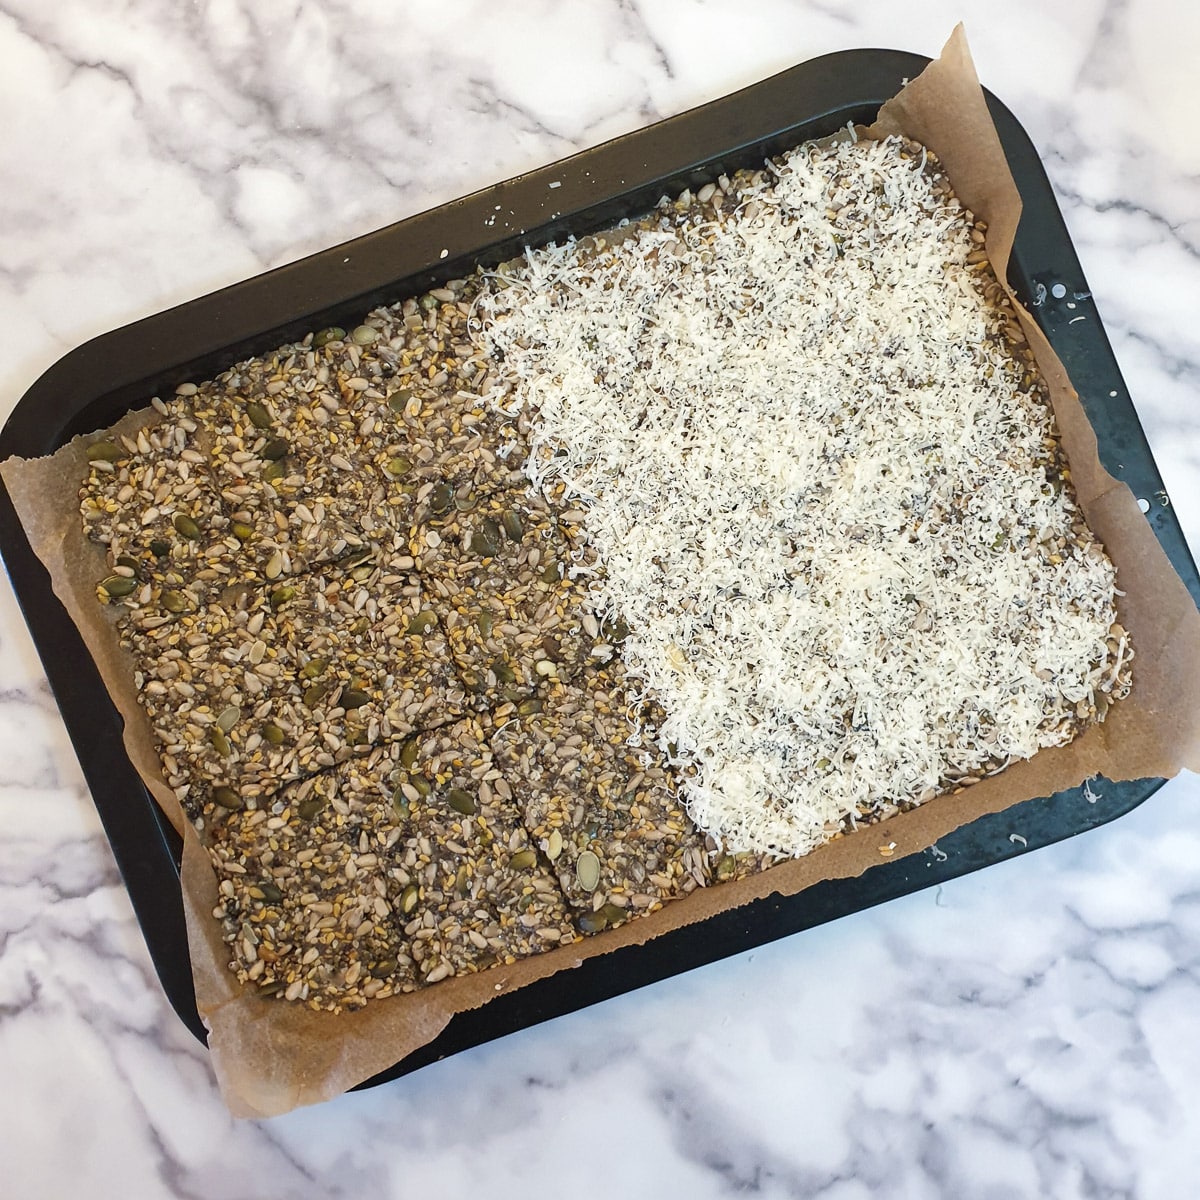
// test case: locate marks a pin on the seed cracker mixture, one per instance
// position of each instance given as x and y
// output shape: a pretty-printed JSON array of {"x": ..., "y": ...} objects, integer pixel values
[{"x": 533, "y": 603}]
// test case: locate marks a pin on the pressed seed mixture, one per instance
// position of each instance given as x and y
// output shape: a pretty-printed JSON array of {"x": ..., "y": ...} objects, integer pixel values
[{"x": 452, "y": 626}]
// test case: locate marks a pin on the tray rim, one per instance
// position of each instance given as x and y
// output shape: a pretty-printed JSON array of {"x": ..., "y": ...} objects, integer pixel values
[{"x": 141, "y": 839}]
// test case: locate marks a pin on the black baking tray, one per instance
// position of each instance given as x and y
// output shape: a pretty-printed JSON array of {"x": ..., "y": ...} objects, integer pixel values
[{"x": 94, "y": 385}]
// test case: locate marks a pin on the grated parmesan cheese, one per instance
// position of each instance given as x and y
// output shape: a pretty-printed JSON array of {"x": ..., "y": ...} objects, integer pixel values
[{"x": 818, "y": 488}]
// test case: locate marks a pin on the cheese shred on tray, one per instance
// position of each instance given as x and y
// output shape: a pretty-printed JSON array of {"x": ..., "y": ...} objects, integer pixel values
[{"x": 820, "y": 480}]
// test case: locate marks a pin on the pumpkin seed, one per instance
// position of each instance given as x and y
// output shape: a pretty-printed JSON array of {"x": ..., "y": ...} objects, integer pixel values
[
  {"x": 159, "y": 548},
  {"x": 118, "y": 585},
  {"x": 462, "y": 802},
  {"x": 503, "y": 672},
  {"x": 270, "y": 987},
  {"x": 550, "y": 573},
  {"x": 315, "y": 694},
  {"x": 423, "y": 786},
  {"x": 259, "y": 417},
  {"x": 106, "y": 452},
  {"x": 229, "y": 718},
  {"x": 280, "y": 596},
  {"x": 726, "y": 868},
  {"x": 352, "y": 698},
  {"x": 513, "y": 526},
  {"x": 441, "y": 499},
  {"x": 273, "y": 734},
  {"x": 175, "y": 601},
  {"x": 592, "y": 922},
  {"x": 186, "y": 527},
  {"x": 333, "y": 334},
  {"x": 383, "y": 968},
  {"x": 428, "y": 303},
  {"x": 587, "y": 871},
  {"x": 485, "y": 625},
  {"x": 220, "y": 743},
  {"x": 125, "y": 560},
  {"x": 409, "y": 898},
  {"x": 422, "y": 623},
  {"x": 523, "y": 860},
  {"x": 398, "y": 401},
  {"x": 364, "y": 335},
  {"x": 314, "y": 668},
  {"x": 274, "y": 471},
  {"x": 527, "y": 708},
  {"x": 309, "y": 807},
  {"x": 616, "y": 631},
  {"x": 226, "y": 797},
  {"x": 462, "y": 881},
  {"x": 398, "y": 466},
  {"x": 613, "y": 914},
  {"x": 270, "y": 893},
  {"x": 275, "y": 449},
  {"x": 485, "y": 541},
  {"x": 242, "y": 532}
]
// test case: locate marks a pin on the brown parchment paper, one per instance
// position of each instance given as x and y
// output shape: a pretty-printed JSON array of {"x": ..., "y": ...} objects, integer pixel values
[{"x": 271, "y": 1057}]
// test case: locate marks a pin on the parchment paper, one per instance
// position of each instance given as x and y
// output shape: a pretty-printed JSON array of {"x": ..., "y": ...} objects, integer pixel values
[{"x": 270, "y": 1057}]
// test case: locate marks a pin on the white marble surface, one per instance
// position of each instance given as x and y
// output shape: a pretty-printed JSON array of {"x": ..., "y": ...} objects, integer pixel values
[{"x": 1033, "y": 1030}]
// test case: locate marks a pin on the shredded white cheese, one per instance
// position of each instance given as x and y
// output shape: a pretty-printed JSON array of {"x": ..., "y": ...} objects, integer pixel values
[{"x": 819, "y": 496}]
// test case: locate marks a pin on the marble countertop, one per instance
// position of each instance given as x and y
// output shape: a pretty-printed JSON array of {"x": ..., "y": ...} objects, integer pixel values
[{"x": 1032, "y": 1030}]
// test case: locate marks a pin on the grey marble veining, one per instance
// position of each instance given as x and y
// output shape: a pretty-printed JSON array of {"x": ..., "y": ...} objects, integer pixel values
[{"x": 1028, "y": 1031}]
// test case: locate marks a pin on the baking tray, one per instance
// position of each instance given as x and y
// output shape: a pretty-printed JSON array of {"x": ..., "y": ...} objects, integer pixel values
[{"x": 94, "y": 385}]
